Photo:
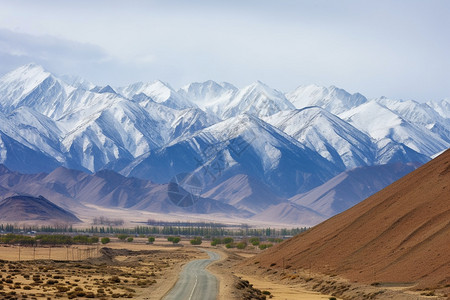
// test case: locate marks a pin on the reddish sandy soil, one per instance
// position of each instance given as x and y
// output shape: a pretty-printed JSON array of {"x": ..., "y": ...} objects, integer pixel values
[{"x": 401, "y": 235}]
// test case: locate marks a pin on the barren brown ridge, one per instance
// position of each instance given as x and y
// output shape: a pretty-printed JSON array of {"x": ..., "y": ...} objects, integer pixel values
[
  {"x": 399, "y": 235},
  {"x": 35, "y": 209}
]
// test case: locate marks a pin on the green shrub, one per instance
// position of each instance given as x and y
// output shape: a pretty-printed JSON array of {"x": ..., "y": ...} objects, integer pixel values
[
  {"x": 84, "y": 239},
  {"x": 254, "y": 241},
  {"x": 81, "y": 239},
  {"x": 262, "y": 246},
  {"x": 56, "y": 239},
  {"x": 174, "y": 239},
  {"x": 122, "y": 237},
  {"x": 130, "y": 239},
  {"x": 241, "y": 245},
  {"x": 93, "y": 240},
  {"x": 227, "y": 240},
  {"x": 215, "y": 241},
  {"x": 275, "y": 240},
  {"x": 105, "y": 240},
  {"x": 196, "y": 241},
  {"x": 16, "y": 239},
  {"x": 151, "y": 239}
]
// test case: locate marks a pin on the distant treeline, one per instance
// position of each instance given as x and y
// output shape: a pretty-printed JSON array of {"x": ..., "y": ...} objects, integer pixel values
[
  {"x": 47, "y": 239},
  {"x": 107, "y": 221},
  {"x": 189, "y": 224},
  {"x": 159, "y": 230}
]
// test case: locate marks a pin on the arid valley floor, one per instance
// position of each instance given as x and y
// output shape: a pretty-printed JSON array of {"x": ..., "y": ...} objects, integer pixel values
[{"x": 148, "y": 271}]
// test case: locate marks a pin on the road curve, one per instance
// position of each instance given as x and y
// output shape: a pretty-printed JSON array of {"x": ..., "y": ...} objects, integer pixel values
[{"x": 195, "y": 282}]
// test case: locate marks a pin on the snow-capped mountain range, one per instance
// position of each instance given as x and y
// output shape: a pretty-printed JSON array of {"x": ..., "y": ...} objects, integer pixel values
[{"x": 289, "y": 142}]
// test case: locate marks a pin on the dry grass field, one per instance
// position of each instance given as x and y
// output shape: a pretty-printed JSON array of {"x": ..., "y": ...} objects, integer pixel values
[
  {"x": 117, "y": 270},
  {"x": 69, "y": 253}
]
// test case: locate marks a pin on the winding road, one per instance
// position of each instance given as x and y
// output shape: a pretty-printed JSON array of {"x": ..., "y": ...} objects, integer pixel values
[{"x": 195, "y": 282}]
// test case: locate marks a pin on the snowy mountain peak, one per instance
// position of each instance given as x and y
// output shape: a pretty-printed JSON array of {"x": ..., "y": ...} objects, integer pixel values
[
  {"x": 77, "y": 82},
  {"x": 262, "y": 87},
  {"x": 107, "y": 89},
  {"x": 334, "y": 139},
  {"x": 333, "y": 99},
  {"x": 31, "y": 85},
  {"x": 208, "y": 87},
  {"x": 159, "y": 91},
  {"x": 107, "y": 127},
  {"x": 257, "y": 99},
  {"x": 209, "y": 95},
  {"x": 394, "y": 127},
  {"x": 442, "y": 107},
  {"x": 29, "y": 69},
  {"x": 21, "y": 81}
]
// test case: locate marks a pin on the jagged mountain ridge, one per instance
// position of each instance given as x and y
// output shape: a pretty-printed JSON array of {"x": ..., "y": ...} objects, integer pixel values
[
  {"x": 73, "y": 190},
  {"x": 290, "y": 142},
  {"x": 74, "y": 114},
  {"x": 239, "y": 197}
]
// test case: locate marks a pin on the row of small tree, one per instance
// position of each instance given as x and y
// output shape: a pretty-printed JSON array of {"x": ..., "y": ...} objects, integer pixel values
[
  {"x": 255, "y": 241},
  {"x": 59, "y": 239},
  {"x": 47, "y": 239},
  {"x": 154, "y": 230}
]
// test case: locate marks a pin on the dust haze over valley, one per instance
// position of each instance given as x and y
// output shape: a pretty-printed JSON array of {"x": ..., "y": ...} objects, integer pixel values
[{"x": 247, "y": 171}]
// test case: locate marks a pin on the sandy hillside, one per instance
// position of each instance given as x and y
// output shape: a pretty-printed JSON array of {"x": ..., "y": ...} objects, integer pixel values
[{"x": 399, "y": 235}]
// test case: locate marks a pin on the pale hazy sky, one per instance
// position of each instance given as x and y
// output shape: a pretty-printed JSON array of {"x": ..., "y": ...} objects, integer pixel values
[{"x": 398, "y": 49}]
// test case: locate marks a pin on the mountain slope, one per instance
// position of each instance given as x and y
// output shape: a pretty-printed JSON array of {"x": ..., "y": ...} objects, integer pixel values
[
  {"x": 420, "y": 114},
  {"x": 32, "y": 86},
  {"x": 22, "y": 157},
  {"x": 335, "y": 140},
  {"x": 239, "y": 145},
  {"x": 244, "y": 192},
  {"x": 122, "y": 131},
  {"x": 210, "y": 96},
  {"x": 441, "y": 107},
  {"x": 332, "y": 99},
  {"x": 26, "y": 209},
  {"x": 401, "y": 234},
  {"x": 159, "y": 91},
  {"x": 74, "y": 190},
  {"x": 351, "y": 187},
  {"x": 290, "y": 213},
  {"x": 258, "y": 100},
  {"x": 367, "y": 116}
]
